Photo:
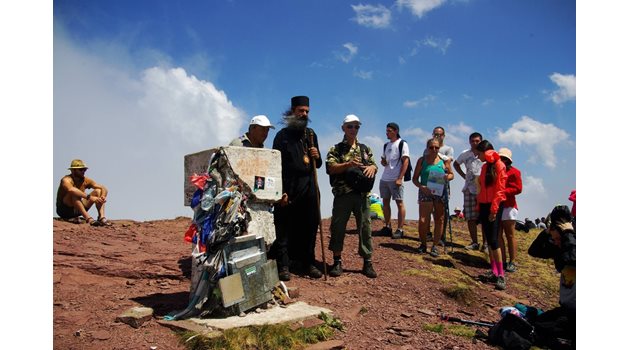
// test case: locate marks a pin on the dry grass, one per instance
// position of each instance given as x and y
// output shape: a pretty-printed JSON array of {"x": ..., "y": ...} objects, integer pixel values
[{"x": 279, "y": 336}]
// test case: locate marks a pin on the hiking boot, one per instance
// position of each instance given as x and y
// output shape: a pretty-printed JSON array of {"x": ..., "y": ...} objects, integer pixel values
[
  {"x": 313, "y": 272},
  {"x": 422, "y": 249},
  {"x": 284, "y": 274},
  {"x": 434, "y": 252},
  {"x": 488, "y": 277},
  {"x": 510, "y": 267},
  {"x": 398, "y": 234},
  {"x": 386, "y": 231},
  {"x": 336, "y": 269},
  {"x": 484, "y": 248},
  {"x": 442, "y": 242},
  {"x": 368, "y": 270},
  {"x": 473, "y": 246},
  {"x": 500, "y": 283}
]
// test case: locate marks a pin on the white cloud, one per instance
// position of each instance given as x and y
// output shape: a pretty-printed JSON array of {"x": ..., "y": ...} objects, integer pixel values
[
  {"x": 420, "y": 7},
  {"x": 133, "y": 126},
  {"x": 372, "y": 16},
  {"x": 438, "y": 43},
  {"x": 365, "y": 75},
  {"x": 487, "y": 102},
  {"x": 542, "y": 137},
  {"x": 349, "y": 55},
  {"x": 533, "y": 185},
  {"x": 425, "y": 101},
  {"x": 194, "y": 109},
  {"x": 566, "y": 88}
]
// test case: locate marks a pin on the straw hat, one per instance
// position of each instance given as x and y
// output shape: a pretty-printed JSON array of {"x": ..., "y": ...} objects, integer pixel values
[{"x": 77, "y": 164}]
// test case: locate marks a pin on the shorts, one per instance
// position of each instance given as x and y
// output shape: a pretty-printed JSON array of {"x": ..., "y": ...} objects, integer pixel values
[
  {"x": 509, "y": 213},
  {"x": 470, "y": 206},
  {"x": 389, "y": 190},
  {"x": 66, "y": 212},
  {"x": 430, "y": 197}
]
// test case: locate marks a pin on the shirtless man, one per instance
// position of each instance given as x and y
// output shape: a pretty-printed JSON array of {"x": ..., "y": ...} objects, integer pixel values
[{"x": 73, "y": 202}]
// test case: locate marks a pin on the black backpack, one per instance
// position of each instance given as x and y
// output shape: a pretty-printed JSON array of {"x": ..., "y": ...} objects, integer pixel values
[
  {"x": 409, "y": 167},
  {"x": 354, "y": 177},
  {"x": 512, "y": 332}
]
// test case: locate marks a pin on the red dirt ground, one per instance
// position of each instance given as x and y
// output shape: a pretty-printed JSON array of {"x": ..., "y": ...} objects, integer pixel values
[{"x": 99, "y": 272}]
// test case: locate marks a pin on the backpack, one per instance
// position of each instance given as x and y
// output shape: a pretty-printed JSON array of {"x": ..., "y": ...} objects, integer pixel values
[
  {"x": 354, "y": 177},
  {"x": 512, "y": 332},
  {"x": 409, "y": 167}
]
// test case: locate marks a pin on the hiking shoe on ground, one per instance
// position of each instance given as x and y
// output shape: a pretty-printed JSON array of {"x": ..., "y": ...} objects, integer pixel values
[
  {"x": 284, "y": 274},
  {"x": 473, "y": 246},
  {"x": 313, "y": 272},
  {"x": 422, "y": 249},
  {"x": 434, "y": 252},
  {"x": 488, "y": 277},
  {"x": 484, "y": 248},
  {"x": 442, "y": 242},
  {"x": 336, "y": 269},
  {"x": 386, "y": 231},
  {"x": 510, "y": 267},
  {"x": 398, "y": 234},
  {"x": 368, "y": 269},
  {"x": 500, "y": 283}
]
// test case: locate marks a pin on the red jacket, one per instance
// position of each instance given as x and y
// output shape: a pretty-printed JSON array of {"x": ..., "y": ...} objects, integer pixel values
[
  {"x": 513, "y": 186},
  {"x": 495, "y": 193}
]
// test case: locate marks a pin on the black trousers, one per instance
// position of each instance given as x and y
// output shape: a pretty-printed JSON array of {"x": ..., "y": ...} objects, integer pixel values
[
  {"x": 296, "y": 231},
  {"x": 490, "y": 229}
]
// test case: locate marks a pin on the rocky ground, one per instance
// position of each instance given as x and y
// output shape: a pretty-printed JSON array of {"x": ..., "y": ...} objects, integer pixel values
[{"x": 99, "y": 272}]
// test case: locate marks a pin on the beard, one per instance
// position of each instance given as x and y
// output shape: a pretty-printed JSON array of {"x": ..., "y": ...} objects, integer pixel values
[{"x": 294, "y": 122}]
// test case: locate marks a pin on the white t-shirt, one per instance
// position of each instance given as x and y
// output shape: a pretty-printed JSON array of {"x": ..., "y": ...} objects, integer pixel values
[
  {"x": 392, "y": 169},
  {"x": 473, "y": 169}
]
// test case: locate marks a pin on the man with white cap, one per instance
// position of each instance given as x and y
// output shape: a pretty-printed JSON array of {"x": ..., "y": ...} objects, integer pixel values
[
  {"x": 342, "y": 159},
  {"x": 256, "y": 134},
  {"x": 73, "y": 201}
]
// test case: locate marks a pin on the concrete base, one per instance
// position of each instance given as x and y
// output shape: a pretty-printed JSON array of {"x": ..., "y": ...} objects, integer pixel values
[{"x": 293, "y": 313}]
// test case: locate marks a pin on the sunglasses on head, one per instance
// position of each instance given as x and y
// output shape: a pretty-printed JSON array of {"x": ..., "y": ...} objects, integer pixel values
[{"x": 352, "y": 126}]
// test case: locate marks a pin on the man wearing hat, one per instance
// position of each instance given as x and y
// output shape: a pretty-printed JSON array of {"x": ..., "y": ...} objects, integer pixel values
[
  {"x": 391, "y": 186},
  {"x": 256, "y": 134},
  {"x": 341, "y": 158},
  {"x": 295, "y": 215},
  {"x": 73, "y": 202}
]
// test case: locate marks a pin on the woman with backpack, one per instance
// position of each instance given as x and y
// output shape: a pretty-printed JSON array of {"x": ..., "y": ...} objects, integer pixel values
[
  {"x": 490, "y": 198},
  {"x": 431, "y": 175}
]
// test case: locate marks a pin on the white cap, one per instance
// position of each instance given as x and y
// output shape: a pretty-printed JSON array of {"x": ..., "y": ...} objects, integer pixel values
[
  {"x": 351, "y": 118},
  {"x": 262, "y": 121}
]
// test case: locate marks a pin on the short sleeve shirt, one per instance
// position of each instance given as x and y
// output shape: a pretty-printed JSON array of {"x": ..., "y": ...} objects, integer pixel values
[
  {"x": 473, "y": 169},
  {"x": 394, "y": 162}
]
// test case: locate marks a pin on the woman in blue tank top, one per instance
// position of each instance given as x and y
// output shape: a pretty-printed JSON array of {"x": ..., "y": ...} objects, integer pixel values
[{"x": 430, "y": 176}]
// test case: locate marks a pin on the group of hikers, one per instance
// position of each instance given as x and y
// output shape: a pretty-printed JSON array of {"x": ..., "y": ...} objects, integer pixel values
[{"x": 491, "y": 184}]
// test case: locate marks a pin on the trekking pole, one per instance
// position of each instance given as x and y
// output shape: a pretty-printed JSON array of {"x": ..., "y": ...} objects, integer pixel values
[
  {"x": 444, "y": 317},
  {"x": 319, "y": 211},
  {"x": 447, "y": 220}
]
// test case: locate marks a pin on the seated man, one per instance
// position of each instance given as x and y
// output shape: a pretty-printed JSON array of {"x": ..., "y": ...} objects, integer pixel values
[{"x": 73, "y": 201}]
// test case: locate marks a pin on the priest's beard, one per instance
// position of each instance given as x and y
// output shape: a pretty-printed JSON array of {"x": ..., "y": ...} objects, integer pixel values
[{"x": 294, "y": 122}]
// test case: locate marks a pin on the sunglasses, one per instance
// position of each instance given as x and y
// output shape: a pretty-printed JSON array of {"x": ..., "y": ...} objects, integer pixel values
[
  {"x": 352, "y": 126},
  {"x": 434, "y": 147}
]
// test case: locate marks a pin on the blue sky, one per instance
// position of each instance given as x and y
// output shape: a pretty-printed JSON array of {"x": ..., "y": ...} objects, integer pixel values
[{"x": 161, "y": 79}]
